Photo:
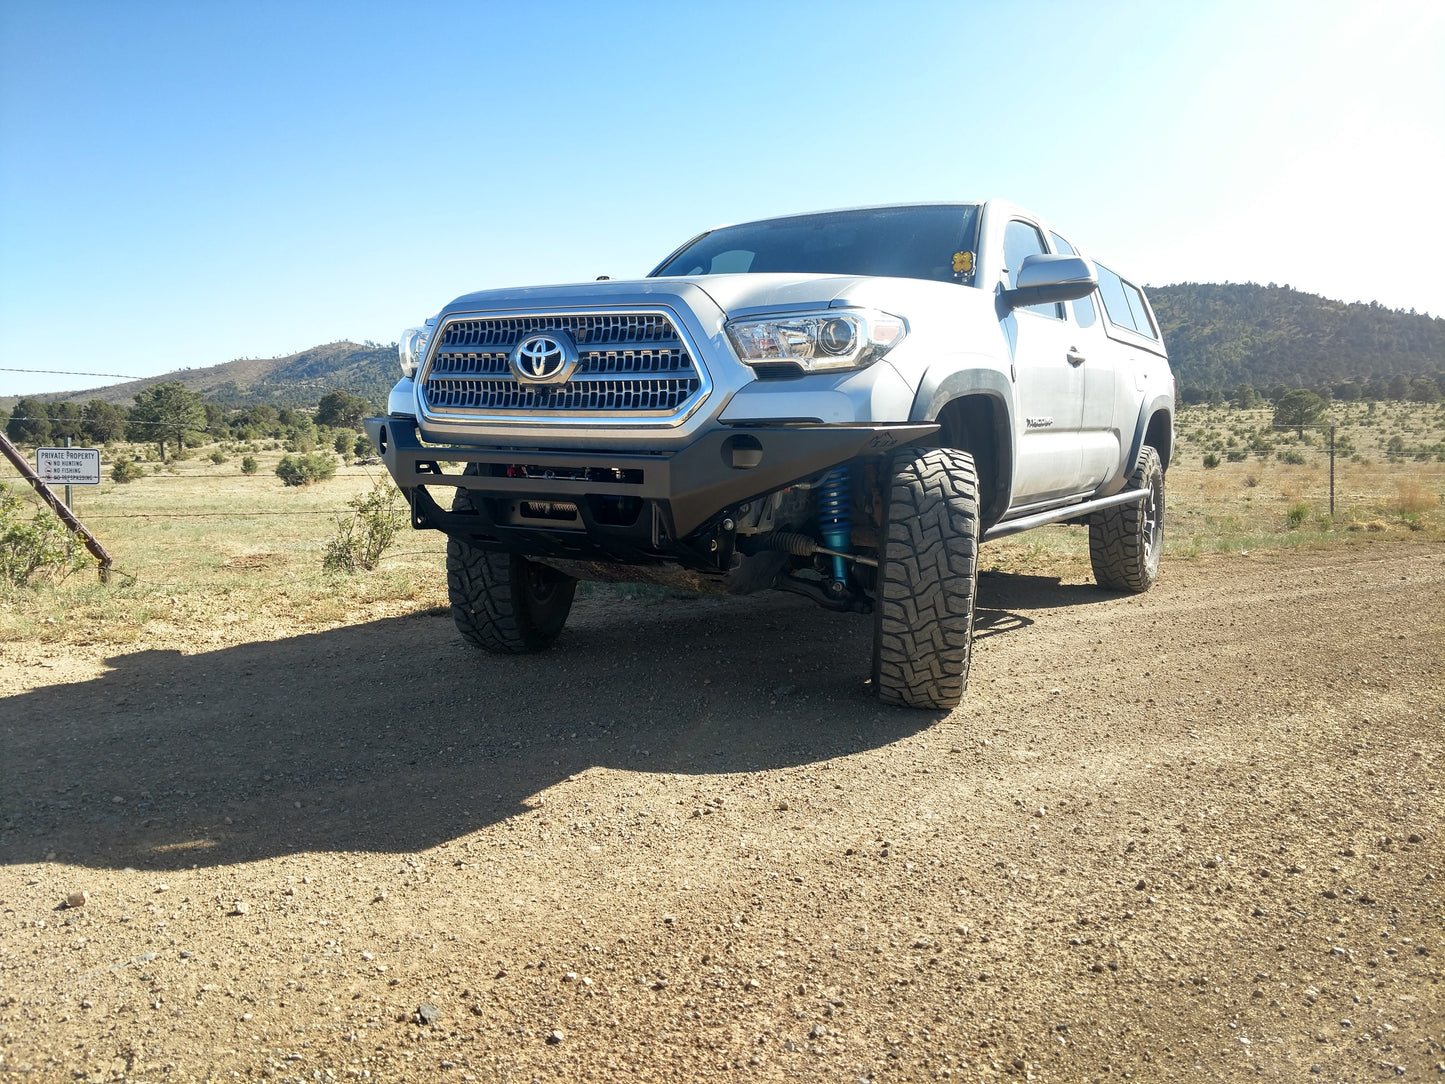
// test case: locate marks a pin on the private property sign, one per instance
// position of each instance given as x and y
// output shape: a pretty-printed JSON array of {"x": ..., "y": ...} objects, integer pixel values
[{"x": 68, "y": 466}]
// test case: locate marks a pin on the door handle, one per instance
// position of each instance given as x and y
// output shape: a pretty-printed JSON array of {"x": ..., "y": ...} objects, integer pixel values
[{"x": 1074, "y": 357}]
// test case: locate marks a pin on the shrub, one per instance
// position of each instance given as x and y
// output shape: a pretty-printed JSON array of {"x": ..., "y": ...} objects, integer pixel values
[
  {"x": 364, "y": 535},
  {"x": 1236, "y": 455},
  {"x": 343, "y": 444},
  {"x": 126, "y": 470},
  {"x": 1297, "y": 515},
  {"x": 1211, "y": 461},
  {"x": 1412, "y": 498},
  {"x": 1290, "y": 456},
  {"x": 302, "y": 470},
  {"x": 1251, "y": 480},
  {"x": 217, "y": 457},
  {"x": 362, "y": 447},
  {"x": 249, "y": 465},
  {"x": 41, "y": 545}
]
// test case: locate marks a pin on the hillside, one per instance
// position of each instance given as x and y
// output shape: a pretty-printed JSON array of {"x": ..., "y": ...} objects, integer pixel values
[
  {"x": 297, "y": 380},
  {"x": 1219, "y": 335},
  {"x": 1222, "y": 335}
]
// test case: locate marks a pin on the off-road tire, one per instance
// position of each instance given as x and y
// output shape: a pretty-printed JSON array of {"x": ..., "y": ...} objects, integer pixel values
[
  {"x": 927, "y": 579},
  {"x": 502, "y": 602},
  {"x": 1125, "y": 542}
]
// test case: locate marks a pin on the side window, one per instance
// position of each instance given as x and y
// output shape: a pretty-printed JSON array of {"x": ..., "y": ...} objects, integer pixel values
[
  {"x": 1124, "y": 304},
  {"x": 1084, "y": 312},
  {"x": 1116, "y": 302},
  {"x": 1019, "y": 241},
  {"x": 1140, "y": 311}
]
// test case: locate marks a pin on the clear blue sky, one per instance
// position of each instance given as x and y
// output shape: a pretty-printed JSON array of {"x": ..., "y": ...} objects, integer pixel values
[{"x": 182, "y": 184}]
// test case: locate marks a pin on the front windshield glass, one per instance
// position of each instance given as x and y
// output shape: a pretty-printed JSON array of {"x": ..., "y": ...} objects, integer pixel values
[{"x": 924, "y": 242}]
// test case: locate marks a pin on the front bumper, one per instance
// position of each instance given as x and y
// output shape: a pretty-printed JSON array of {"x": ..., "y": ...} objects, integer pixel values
[{"x": 631, "y": 507}]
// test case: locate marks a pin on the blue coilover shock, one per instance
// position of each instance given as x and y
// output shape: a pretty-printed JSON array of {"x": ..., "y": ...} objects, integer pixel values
[{"x": 835, "y": 517}]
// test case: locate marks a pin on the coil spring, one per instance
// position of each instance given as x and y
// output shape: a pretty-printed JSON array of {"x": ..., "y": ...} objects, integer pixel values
[
  {"x": 835, "y": 516},
  {"x": 835, "y": 503}
]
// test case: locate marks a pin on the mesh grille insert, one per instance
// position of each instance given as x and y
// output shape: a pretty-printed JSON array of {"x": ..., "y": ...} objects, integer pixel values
[{"x": 628, "y": 363}]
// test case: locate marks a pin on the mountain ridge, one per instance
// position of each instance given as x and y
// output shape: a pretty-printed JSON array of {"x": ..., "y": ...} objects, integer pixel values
[{"x": 1219, "y": 335}]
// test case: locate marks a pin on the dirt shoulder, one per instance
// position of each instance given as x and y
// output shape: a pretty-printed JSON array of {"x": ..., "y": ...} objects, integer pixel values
[{"x": 1192, "y": 832}]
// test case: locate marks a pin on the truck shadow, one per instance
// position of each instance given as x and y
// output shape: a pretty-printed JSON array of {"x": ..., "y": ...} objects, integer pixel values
[{"x": 395, "y": 736}]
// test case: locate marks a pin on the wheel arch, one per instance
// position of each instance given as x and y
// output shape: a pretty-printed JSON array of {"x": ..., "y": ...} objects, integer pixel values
[{"x": 972, "y": 409}]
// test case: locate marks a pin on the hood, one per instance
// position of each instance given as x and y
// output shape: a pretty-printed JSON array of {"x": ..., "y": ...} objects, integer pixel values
[{"x": 734, "y": 294}]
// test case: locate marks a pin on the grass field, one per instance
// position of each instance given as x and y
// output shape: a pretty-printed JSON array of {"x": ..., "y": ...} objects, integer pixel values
[{"x": 206, "y": 552}]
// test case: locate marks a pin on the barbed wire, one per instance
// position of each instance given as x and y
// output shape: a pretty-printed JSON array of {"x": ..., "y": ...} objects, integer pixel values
[{"x": 68, "y": 372}]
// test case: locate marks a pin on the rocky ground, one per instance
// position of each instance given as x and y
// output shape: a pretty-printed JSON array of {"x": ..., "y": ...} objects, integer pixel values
[{"x": 1190, "y": 834}]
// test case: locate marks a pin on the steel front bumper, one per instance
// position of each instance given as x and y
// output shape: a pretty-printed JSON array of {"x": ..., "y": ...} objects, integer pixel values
[{"x": 625, "y": 506}]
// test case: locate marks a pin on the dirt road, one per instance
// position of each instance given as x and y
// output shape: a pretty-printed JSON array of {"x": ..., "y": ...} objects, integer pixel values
[{"x": 1190, "y": 834}]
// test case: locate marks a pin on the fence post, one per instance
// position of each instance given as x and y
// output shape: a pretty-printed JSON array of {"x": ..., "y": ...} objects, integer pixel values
[
  {"x": 57, "y": 506},
  {"x": 1332, "y": 470}
]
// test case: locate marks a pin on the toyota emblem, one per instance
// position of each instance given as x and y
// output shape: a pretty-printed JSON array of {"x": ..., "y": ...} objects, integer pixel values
[{"x": 547, "y": 357}]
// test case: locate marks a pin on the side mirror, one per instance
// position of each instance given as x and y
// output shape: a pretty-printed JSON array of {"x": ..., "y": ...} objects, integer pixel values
[{"x": 1045, "y": 279}]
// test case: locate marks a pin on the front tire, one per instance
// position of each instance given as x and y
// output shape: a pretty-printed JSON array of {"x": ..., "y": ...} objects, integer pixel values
[
  {"x": 504, "y": 603},
  {"x": 927, "y": 579},
  {"x": 1125, "y": 543}
]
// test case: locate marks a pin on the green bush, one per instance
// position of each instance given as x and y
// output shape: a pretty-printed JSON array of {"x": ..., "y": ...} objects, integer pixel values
[
  {"x": 1290, "y": 456},
  {"x": 1297, "y": 515},
  {"x": 362, "y": 447},
  {"x": 1211, "y": 461},
  {"x": 217, "y": 457},
  {"x": 126, "y": 470},
  {"x": 363, "y": 536},
  {"x": 41, "y": 545},
  {"x": 249, "y": 465},
  {"x": 302, "y": 470}
]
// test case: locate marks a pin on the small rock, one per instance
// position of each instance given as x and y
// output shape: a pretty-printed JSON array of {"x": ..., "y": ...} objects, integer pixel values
[
  {"x": 669, "y": 920},
  {"x": 555, "y": 1036},
  {"x": 1018, "y": 1064},
  {"x": 427, "y": 1014},
  {"x": 77, "y": 899},
  {"x": 1330, "y": 894},
  {"x": 240, "y": 908},
  {"x": 818, "y": 1032},
  {"x": 1139, "y": 885},
  {"x": 782, "y": 807},
  {"x": 570, "y": 976},
  {"x": 752, "y": 984},
  {"x": 1413, "y": 837}
]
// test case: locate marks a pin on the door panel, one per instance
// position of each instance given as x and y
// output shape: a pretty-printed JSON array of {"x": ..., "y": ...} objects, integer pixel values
[{"x": 1050, "y": 399}]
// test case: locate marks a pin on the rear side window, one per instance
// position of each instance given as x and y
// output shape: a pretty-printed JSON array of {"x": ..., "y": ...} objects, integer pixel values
[{"x": 1124, "y": 304}]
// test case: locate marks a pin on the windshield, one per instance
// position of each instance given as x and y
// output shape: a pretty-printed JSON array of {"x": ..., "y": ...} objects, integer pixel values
[{"x": 904, "y": 242}]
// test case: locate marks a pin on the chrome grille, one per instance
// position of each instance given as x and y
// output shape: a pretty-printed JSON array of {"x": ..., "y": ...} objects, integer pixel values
[{"x": 628, "y": 363}]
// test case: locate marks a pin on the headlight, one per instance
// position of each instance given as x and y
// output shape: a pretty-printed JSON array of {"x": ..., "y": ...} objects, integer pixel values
[
  {"x": 817, "y": 341},
  {"x": 412, "y": 348}
]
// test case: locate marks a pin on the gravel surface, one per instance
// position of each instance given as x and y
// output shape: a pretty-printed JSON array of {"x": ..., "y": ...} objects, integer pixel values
[{"x": 1194, "y": 833}]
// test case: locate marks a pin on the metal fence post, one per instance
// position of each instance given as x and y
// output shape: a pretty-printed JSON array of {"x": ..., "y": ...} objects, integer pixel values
[{"x": 1332, "y": 470}]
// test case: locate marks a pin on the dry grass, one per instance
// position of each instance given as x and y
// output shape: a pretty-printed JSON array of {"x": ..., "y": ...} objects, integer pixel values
[
  {"x": 203, "y": 548},
  {"x": 198, "y": 545}
]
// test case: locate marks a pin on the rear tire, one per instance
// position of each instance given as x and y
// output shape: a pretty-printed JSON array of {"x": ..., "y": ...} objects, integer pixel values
[
  {"x": 1125, "y": 543},
  {"x": 502, "y": 602},
  {"x": 927, "y": 579}
]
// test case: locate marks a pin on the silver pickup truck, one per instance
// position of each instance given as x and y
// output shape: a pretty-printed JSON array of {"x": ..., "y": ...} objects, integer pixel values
[{"x": 841, "y": 404}]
